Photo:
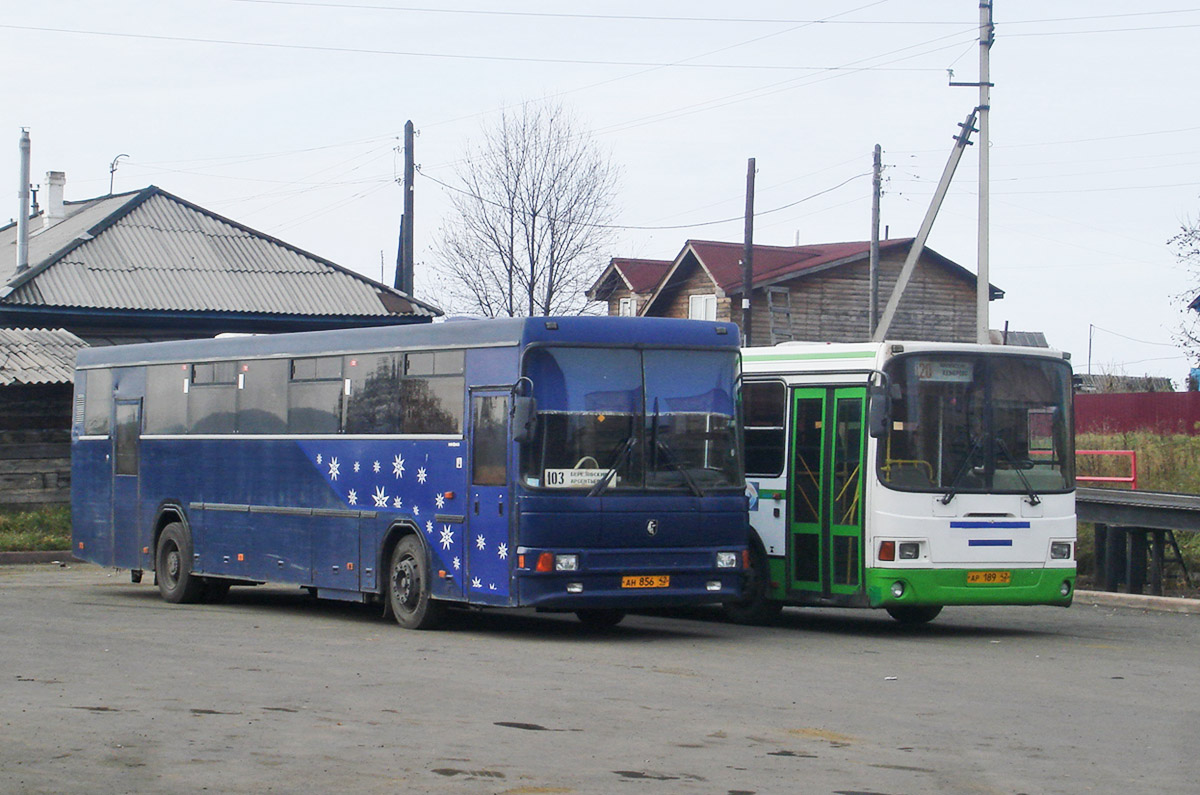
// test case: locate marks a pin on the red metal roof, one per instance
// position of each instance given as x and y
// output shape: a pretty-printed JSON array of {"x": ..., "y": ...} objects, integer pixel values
[
  {"x": 723, "y": 260},
  {"x": 643, "y": 275}
]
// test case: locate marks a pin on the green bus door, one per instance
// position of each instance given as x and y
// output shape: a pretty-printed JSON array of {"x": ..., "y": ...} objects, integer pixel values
[{"x": 826, "y": 492}]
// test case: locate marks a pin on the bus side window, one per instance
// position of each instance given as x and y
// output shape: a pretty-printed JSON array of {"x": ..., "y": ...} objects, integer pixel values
[
  {"x": 315, "y": 395},
  {"x": 212, "y": 399},
  {"x": 489, "y": 451},
  {"x": 373, "y": 403},
  {"x": 166, "y": 399},
  {"x": 764, "y": 406},
  {"x": 262, "y": 396},
  {"x": 431, "y": 394},
  {"x": 97, "y": 404}
]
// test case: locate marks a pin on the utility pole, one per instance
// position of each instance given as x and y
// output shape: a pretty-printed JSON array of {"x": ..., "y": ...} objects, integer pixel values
[
  {"x": 876, "y": 188},
  {"x": 748, "y": 253},
  {"x": 404, "y": 258},
  {"x": 961, "y": 142},
  {"x": 983, "y": 288}
]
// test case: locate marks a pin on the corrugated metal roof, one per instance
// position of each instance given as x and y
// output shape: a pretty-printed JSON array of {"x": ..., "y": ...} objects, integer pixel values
[
  {"x": 37, "y": 356},
  {"x": 1027, "y": 339},
  {"x": 46, "y": 242},
  {"x": 156, "y": 252}
]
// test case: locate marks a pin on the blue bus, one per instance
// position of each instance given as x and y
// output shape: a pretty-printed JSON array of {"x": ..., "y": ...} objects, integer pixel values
[{"x": 588, "y": 465}]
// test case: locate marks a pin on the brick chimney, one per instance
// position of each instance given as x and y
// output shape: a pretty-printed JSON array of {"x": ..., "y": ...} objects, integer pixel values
[{"x": 56, "y": 181}]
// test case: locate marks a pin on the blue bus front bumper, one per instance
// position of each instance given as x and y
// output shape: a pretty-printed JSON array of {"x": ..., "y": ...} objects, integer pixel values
[{"x": 603, "y": 580}]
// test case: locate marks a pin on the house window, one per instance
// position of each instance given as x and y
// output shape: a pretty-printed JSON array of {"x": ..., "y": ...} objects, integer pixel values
[
  {"x": 627, "y": 308},
  {"x": 702, "y": 307}
]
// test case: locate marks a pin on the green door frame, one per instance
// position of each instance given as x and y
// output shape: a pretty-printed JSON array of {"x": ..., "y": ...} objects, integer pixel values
[{"x": 825, "y": 492}]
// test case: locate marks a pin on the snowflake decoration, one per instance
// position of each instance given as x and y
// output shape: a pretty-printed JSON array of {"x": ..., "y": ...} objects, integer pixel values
[
  {"x": 429, "y": 527},
  {"x": 398, "y": 466},
  {"x": 356, "y": 466},
  {"x": 447, "y": 536},
  {"x": 491, "y": 586},
  {"x": 475, "y": 583},
  {"x": 381, "y": 499},
  {"x": 439, "y": 501},
  {"x": 398, "y": 503},
  {"x": 421, "y": 475},
  {"x": 334, "y": 469},
  {"x": 416, "y": 511},
  {"x": 375, "y": 467},
  {"x": 352, "y": 497},
  {"x": 319, "y": 459},
  {"x": 480, "y": 544},
  {"x": 503, "y": 550},
  {"x": 457, "y": 564}
]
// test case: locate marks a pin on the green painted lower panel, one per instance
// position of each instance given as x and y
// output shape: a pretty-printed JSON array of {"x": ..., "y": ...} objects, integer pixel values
[
  {"x": 949, "y": 587},
  {"x": 777, "y": 588}
]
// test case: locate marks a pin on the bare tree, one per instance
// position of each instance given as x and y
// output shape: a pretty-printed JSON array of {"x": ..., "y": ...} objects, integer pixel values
[
  {"x": 528, "y": 234},
  {"x": 1187, "y": 251}
]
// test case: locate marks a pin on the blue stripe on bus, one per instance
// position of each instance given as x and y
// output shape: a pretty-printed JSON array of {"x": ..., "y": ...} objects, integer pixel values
[
  {"x": 990, "y": 525},
  {"x": 990, "y": 542}
]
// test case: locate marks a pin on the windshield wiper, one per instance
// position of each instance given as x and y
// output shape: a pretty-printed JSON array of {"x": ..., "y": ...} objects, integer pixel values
[
  {"x": 673, "y": 461},
  {"x": 1034, "y": 499},
  {"x": 622, "y": 454},
  {"x": 952, "y": 490}
]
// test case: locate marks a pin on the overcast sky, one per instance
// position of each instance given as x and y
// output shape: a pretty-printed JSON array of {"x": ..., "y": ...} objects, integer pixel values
[{"x": 286, "y": 116}]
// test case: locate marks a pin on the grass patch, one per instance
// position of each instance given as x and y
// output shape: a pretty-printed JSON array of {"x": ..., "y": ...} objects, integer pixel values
[{"x": 35, "y": 530}]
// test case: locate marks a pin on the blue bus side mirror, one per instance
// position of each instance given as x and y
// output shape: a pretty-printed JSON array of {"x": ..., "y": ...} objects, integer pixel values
[
  {"x": 878, "y": 410},
  {"x": 524, "y": 418}
]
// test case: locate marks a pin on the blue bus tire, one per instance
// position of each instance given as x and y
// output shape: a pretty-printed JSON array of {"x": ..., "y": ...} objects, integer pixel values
[
  {"x": 408, "y": 586},
  {"x": 173, "y": 566}
]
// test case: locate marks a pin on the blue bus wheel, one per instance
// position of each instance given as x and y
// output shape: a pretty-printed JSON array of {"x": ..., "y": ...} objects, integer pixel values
[
  {"x": 408, "y": 587},
  {"x": 173, "y": 565}
]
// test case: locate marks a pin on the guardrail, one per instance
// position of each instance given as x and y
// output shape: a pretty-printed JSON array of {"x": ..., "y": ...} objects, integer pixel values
[
  {"x": 1134, "y": 530},
  {"x": 1131, "y": 479}
]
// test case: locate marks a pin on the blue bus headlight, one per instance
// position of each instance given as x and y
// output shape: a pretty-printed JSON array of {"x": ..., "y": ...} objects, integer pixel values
[
  {"x": 566, "y": 562},
  {"x": 1060, "y": 550},
  {"x": 727, "y": 560}
]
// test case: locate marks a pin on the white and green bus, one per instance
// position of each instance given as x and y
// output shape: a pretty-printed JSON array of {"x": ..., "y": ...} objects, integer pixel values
[{"x": 908, "y": 476}]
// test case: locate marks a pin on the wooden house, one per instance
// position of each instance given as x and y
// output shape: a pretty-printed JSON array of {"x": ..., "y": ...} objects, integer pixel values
[{"x": 815, "y": 292}]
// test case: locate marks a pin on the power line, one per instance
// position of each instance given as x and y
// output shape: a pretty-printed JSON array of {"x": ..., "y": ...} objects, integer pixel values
[
  {"x": 663, "y": 18},
  {"x": 1062, "y": 142},
  {"x": 1103, "y": 30},
  {"x": 1134, "y": 339},
  {"x": 455, "y": 56},
  {"x": 479, "y": 198}
]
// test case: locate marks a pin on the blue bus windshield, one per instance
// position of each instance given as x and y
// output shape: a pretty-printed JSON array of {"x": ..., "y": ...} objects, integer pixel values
[{"x": 628, "y": 420}]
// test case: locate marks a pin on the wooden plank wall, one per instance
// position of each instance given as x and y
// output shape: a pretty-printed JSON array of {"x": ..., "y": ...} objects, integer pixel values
[
  {"x": 832, "y": 306},
  {"x": 35, "y": 445}
]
